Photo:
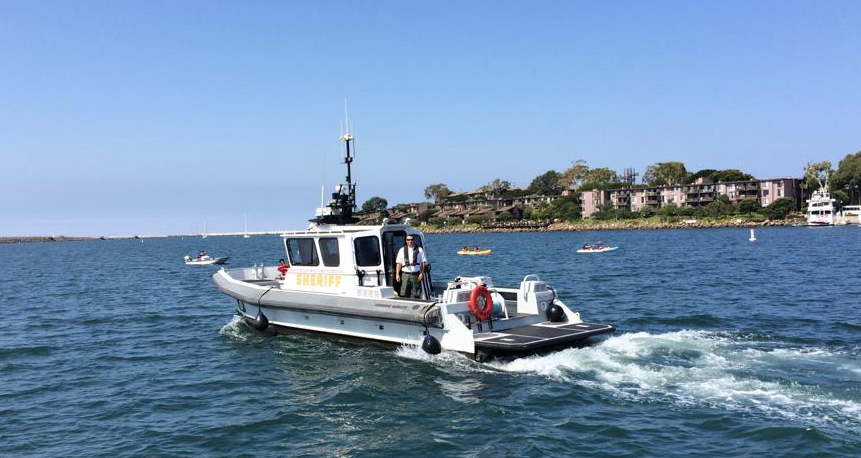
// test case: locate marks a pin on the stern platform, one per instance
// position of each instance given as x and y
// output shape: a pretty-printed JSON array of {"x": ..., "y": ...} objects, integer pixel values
[{"x": 536, "y": 336}]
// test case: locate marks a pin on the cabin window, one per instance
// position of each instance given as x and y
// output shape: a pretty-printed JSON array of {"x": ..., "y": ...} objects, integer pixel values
[
  {"x": 302, "y": 252},
  {"x": 329, "y": 251},
  {"x": 367, "y": 250}
]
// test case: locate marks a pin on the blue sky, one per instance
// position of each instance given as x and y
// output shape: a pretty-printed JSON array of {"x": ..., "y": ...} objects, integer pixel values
[{"x": 133, "y": 117}]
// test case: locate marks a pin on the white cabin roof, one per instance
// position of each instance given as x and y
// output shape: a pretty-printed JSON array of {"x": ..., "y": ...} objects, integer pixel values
[{"x": 326, "y": 229}]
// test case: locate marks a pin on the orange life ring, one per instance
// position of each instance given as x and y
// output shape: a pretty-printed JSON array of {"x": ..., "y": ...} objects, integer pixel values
[{"x": 482, "y": 312}]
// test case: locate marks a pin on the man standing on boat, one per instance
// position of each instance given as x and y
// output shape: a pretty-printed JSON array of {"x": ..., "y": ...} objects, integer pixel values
[{"x": 411, "y": 263}]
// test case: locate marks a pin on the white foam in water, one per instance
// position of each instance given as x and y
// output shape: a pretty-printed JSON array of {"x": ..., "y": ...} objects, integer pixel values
[
  {"x": 446, "y": 359},
  {"x": 696, "y": 367},
  {"x": 235, "y": 329}
]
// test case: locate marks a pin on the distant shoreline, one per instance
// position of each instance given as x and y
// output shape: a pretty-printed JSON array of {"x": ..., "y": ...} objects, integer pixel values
[
  {"x": 577, "y": 226},
  {"x": 44, "y": 238}
]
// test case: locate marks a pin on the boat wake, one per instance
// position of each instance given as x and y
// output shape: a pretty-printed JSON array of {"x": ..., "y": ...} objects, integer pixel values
[
  {"x": 712, "y": 369},
  {"x": 446, "y": 359},
  {"x": 236, "y": 329}
]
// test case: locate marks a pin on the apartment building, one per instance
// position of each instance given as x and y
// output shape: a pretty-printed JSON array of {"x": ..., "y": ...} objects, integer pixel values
[{"x": 701, "y": 192}]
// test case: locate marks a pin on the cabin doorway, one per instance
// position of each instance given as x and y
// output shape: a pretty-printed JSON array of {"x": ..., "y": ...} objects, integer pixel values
[{"x": 393, "y": 241}]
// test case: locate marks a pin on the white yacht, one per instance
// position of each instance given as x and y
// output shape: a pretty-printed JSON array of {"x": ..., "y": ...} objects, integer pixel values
[
  {"x": 820, "y": 208},
  {"x": 851, "y": 214},
  {"x": 340, "y": 279}
]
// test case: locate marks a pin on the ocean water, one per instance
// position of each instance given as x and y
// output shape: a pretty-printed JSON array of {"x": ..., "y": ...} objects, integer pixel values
[{"x": 723, "y": 348}]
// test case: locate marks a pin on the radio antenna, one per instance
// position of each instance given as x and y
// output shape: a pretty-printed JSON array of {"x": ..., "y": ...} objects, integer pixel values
[{"x": 340, "y": 209}]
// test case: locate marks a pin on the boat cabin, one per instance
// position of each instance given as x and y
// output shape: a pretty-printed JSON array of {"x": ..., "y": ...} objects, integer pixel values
[{"x": 339, "y": 259}]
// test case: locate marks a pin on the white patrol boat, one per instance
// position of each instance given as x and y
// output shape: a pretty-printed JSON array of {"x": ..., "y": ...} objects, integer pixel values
[{"x": 341, "y": 280}]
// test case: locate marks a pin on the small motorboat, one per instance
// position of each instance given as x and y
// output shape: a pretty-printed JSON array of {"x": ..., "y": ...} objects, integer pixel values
[
  {"x": 474, "y": 252},
  {"x": 598, "y": 250},
  {"x": 204, "y": 260}
]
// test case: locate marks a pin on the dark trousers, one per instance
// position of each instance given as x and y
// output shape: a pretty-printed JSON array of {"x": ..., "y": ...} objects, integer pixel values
[{"x": 410, "y": 286}]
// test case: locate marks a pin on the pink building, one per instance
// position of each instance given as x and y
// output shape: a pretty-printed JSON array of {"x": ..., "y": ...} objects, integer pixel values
[{"x": 702, "y": 192}]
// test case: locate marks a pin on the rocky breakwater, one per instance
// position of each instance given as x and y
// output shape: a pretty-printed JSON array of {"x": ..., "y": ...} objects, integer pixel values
[
  {"x": 610, "y": 225},
  {"x": 42, "y": 239},
  {"x": 617, "y": 225}
]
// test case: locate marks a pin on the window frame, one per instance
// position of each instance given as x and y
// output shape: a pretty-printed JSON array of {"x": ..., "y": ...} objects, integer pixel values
[
  {"x": 315, "y": 258},
  {"x": 324, "y": 256},
  {"x": 356, "y": 251}
]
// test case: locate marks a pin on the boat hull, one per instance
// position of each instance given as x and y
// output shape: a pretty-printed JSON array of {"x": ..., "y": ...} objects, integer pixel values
[
  {"x": 602, "y": 250},
  {"x": 474, "y": 253},
  {"x": 285, "y": 320},
  {"x": 487, "y": 342},
  {"x": 401, "y": 321},
  {"x": 208, "y": 262},
  {"x": 270, "y": 296}
]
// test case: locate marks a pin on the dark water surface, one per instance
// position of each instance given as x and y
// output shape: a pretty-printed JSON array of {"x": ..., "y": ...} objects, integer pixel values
[{"x": 723, "y": 348}]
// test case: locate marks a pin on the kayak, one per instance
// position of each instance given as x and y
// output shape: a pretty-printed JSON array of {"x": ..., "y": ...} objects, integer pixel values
[
  {"x": 474, "y": 253},
  {"x": 599, "y": 250},
  {"x": 205, "y": 261}
]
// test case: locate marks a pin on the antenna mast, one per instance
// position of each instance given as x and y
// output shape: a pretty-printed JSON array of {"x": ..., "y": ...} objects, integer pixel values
[
  {"x": 348, "y": 158},
  {"x": 340, "y": 208}
]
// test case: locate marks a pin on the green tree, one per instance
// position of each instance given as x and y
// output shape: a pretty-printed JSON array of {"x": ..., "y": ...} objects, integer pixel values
[
  {"x": 437, "y": 192},
  {"x": 574, "y": 175},
  {"x": 625, "y": 213},
  {"x": 671, "y": 209},
  {"x": 748, "y": 206},
  {"x": 704, "y": 173},
  {"x": 817, "y": 174},
  {"x": 541, "y": 211},
  {"x": 715, "y": 209},
  {"x": 687, "y": 211},
  {"x": 527, "y": 213},
  {"x": 476, "y": 219},
  {"x": 665, "y": 174},
  {"x": 729, "y": 175},
  {"x": 437, "y": 221},
  {"x": 727, "y": 207},
  {"x": 568, "y": 211},
  {"x": 840, "y": 196},
  {"x": 504, "y": 216},
  {"x": 604, "y": 212},
  {"x": 601, "y": 175},
  {"x": 496, "y": 187},
  {"x": 546, "y": 184},
  {"x": 427, "y": 214},
  {"x": 780, "y": 208},
  {"x": 848, "y": 176},
  {"x": 374, "y": 204}
]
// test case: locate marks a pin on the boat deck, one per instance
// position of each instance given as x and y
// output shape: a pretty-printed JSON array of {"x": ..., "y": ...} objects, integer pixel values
[{"x": 531, "y": 337}]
